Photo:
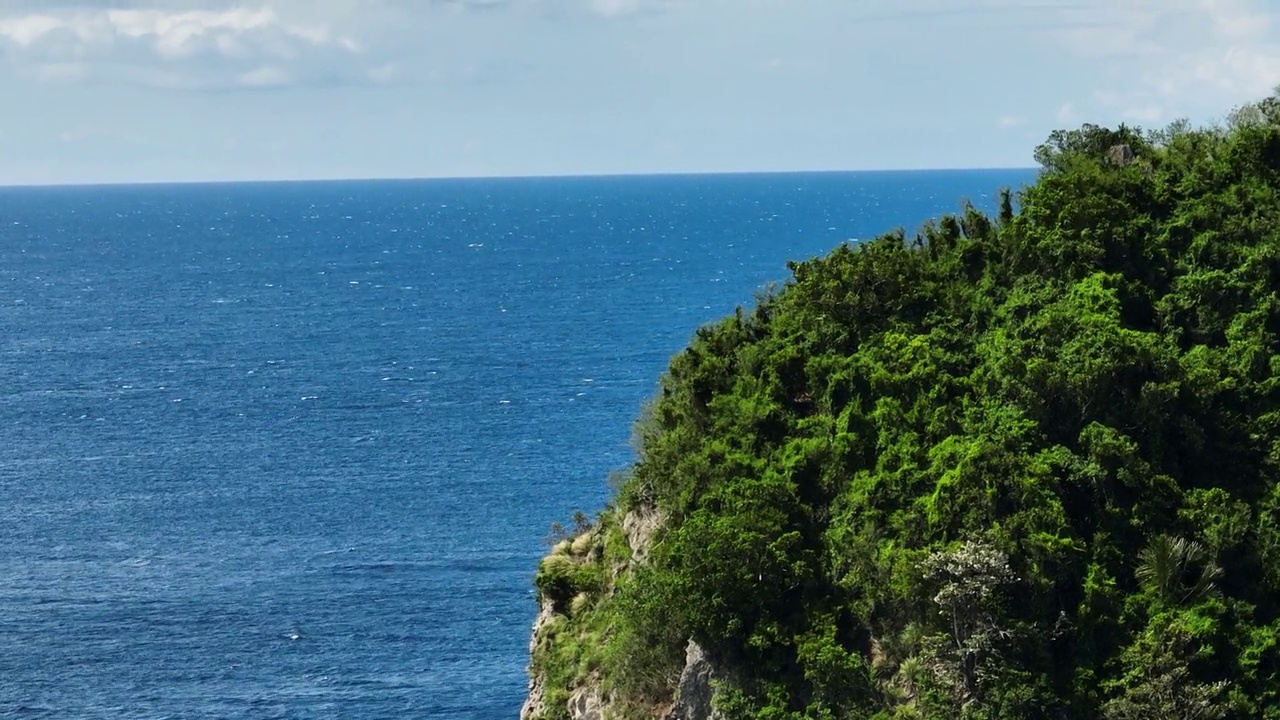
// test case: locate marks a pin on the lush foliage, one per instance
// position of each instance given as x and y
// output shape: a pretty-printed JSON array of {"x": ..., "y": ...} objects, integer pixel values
[{"x": 1012, "y": 467}]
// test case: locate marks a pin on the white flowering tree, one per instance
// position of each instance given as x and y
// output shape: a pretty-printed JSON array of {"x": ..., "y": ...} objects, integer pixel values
[{"x": 970, "y": 581}]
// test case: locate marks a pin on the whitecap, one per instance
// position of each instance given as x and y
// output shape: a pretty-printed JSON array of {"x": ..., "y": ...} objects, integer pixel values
[{"x": 339, "y": 550}]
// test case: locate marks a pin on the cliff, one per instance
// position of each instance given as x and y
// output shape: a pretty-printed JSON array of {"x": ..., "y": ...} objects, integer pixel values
[{"x": 1019, "y": 466}]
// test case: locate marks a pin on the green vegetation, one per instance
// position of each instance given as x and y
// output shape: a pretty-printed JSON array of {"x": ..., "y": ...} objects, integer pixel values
[{"x": 1014, "y": 467}]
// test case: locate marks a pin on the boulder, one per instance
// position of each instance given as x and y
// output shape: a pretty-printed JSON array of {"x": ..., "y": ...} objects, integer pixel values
[{"x": 1120, "y": 155}]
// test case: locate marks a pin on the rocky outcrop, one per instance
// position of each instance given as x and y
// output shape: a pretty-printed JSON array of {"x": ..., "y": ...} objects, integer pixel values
[
  {"x": 535, "y": 702},
  {"x": 640, "y": 524},
  {"x": 559, "y": 610},
  {"x": 697, "y": 686},
  {"x": 1120, "y": 155},
  {"x": 587, "y": 704}
]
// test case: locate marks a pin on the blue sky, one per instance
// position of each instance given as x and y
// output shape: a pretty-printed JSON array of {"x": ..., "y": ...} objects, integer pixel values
[{"x": 146, "y": 90}]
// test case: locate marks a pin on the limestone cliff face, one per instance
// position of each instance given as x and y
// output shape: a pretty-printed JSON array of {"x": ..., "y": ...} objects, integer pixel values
[
  {"x": 586, "y": 699},
  {"x": 535, "y": 702}
]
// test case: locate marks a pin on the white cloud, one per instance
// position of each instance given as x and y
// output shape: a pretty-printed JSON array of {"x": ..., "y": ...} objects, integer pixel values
[
  {"x": 1007, "y": 122},
  {"x": 1109, "y": 31},
  {"x": 1241, "y": 57},
  {"x": 1235, "y": 19},
  {"x": 26, "y": 31},
  {"x": 1067, "y": 114},
  {"x": 231, "y": 47},
  {"x": 1170, "y": 59},
  {"x": 1241, "y": 70},
  {"x": 614, "y": 8}
]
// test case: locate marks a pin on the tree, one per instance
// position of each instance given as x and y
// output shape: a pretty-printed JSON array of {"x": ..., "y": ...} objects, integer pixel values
[
  {"x": 1159, "y": 685},
  {"x": 969, "y": 580},
  {"x": 1177, "y": 570},
  {"x": 1090, "y": 142}
]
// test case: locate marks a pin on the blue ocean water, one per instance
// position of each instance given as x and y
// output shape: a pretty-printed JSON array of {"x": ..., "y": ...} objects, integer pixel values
[{"x": 290, "y": 450}]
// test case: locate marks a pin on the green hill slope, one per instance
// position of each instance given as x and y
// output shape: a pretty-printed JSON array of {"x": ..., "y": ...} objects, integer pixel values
[{"x": 1012, "y": 467}]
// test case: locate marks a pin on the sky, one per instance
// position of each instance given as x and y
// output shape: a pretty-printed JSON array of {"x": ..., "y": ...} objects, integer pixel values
[{"x": 96, "y": 91}]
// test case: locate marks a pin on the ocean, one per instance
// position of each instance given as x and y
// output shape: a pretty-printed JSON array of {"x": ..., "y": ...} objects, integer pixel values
[{"x": 291, "y": 450}]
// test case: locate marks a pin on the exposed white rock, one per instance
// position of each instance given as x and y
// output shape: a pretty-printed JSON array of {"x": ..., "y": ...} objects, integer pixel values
[
  {"x": 586, "y": 704},
  {"x": 535, "y": 703},
  {"x": 639, "y": 525},
  {"x": 1120, "y": 155},
  {"x": 697, "y": 685}
]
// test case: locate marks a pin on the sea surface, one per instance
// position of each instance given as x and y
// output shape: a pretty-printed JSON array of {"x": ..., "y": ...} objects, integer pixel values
[{"x": 291, "y": 450}]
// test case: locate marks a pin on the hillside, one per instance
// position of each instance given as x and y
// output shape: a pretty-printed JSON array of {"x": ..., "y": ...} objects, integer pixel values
[{"x": 1020, "y": 466}]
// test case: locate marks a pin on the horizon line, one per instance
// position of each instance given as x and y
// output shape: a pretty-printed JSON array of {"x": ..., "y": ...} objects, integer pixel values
[{"x": 445, "y": 178}]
